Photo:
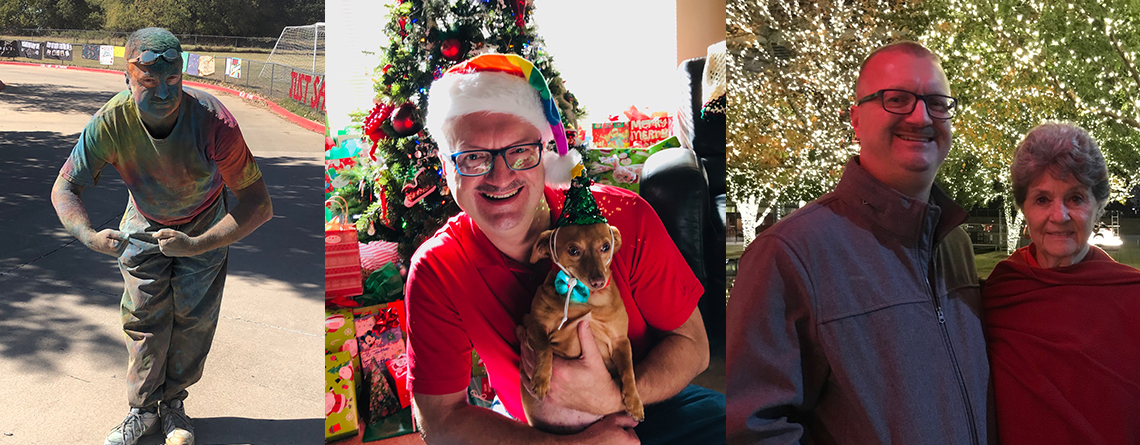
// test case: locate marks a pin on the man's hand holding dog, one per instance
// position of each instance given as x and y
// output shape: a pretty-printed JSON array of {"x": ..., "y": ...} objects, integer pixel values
[{"x": 583, "y": 384}]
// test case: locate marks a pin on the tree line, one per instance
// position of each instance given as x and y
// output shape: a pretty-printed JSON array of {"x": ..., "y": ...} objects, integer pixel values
[{"x": 245, "y": 18}]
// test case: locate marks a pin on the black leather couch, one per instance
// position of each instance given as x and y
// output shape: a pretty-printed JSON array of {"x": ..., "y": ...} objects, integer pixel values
[{"x": 686, "y": 186}]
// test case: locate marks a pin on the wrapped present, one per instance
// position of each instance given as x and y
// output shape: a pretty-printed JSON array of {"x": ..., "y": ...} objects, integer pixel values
[
  {"x": 376, "y": 254},
  {"x": 611, "y": 135},
  {"x": 340, "y": 334},
  {"x": 379, "y": 334},
  {"x": 646, "y": 132},
  {"x": 340, "y": 397},
  {"x": 398, "y": 369},
  {"x": 617, "y": 166},
  {"x": 382, "y": 401},
  {"x": 479, "y": 392},
  {"x": 342, "y": 255}
]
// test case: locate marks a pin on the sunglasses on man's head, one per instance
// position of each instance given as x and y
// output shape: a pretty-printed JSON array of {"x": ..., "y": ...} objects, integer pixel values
[{"x": 149, "y": 57}]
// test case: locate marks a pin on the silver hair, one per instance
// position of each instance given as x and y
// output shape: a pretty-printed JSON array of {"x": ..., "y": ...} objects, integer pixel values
[{"x": 1061, "y": 149}]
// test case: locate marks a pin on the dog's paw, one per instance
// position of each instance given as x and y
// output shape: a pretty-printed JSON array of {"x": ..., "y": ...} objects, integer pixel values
[
  {"x": 635, "y": 410},
  {"x": 541, "y": 386}
]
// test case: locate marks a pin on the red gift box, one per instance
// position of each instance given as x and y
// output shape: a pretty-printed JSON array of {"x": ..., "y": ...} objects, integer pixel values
[
  {"x": 398, "y": 369},
  {"x": 611, "y": 134}
]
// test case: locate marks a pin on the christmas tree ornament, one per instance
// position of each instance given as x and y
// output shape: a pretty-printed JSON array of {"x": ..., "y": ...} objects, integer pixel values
[
  {"x": 452, "y": 49},
  {"x": 417, "y": 189},
  {"x": 383, "y": 204},
  {"x": 374, "y": 125},
  {"x": 372, "y": 228},
  {"x": 520, "y": 14},
  {"x": 404, "y": 120}
]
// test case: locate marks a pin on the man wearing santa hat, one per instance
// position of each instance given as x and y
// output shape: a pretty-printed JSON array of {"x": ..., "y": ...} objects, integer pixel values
[{"x": 472, "y": 282}]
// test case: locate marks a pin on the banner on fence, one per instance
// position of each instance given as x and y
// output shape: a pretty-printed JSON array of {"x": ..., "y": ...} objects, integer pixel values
[
  {"x": 206, "y": 66},
  {"x": 9, "y": 48},
  {"x": 192, "y": 62},
  {"x": 185, "y": 61},
  {"x": 120, "y": 51},
  {"x": 106, "y": 55},
  {"x": 91, "y": 52},
  {"x": 233, "y": 67},
  {"x": 307, "y": 89},
  {"x": 32, "y": 50},
  {"x": 56, "y": 50}
]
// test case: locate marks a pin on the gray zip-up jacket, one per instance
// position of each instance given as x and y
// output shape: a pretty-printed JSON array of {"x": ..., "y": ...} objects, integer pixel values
[{"x": 856, "y": 320}]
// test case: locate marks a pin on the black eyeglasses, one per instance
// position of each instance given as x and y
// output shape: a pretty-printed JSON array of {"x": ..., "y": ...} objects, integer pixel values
[
  {"x": 149, "y": 57},
  {"x": 480, "y": 162},
  {"x": 903, "y": 102}
]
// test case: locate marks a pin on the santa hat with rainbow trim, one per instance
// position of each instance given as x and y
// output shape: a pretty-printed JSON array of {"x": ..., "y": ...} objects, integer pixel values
[{"x": 502, "y": 83}]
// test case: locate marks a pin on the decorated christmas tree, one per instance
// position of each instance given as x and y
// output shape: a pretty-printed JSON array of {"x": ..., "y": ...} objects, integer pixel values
[{"x": 398, "y": 189}]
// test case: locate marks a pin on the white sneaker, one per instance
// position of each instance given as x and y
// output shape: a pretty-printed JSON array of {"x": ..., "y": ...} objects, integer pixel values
[
  {"x": 176, "y": 424},
  {"x": 137, "y": 424}
]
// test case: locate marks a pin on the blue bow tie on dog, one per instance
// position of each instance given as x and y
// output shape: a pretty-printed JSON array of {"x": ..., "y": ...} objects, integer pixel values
[{"x": 563, "y": 283}]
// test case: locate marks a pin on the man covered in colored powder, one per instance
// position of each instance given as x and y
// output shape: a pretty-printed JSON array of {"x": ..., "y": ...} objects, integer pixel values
[{"x": 177, "y": 149}]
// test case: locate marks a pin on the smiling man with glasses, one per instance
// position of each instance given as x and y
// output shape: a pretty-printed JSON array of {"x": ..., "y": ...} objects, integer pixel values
[
  {"x": 177, "y": 149},
  {"x": 471, "y": 283},
  {"x": 856, "y": 319}
]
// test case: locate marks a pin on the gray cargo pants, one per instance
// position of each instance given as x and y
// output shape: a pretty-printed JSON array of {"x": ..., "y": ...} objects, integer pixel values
[{"x": 170, "y": 307}]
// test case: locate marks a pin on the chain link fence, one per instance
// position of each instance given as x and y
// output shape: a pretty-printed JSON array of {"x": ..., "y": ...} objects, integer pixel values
[
  {"x": 271, "y": 80},
  {"x": 120, "y": 38},
  {"x": 298, "y": 89}
]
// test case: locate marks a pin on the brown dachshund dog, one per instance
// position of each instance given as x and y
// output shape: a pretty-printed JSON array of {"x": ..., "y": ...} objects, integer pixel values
[{"x": 584, "y": 251}]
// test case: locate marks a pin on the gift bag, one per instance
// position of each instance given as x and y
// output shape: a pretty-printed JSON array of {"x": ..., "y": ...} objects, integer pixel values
[
  {"x": 342, "y": 255},
  {"x": 340, "y": 397}
]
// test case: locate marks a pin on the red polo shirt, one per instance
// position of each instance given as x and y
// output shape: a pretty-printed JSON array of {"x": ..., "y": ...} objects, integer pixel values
[{"x": 463, "y": 293}]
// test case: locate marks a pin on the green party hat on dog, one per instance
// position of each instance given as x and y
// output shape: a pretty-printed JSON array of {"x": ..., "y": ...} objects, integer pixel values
[{"x": 580, "y": 207}]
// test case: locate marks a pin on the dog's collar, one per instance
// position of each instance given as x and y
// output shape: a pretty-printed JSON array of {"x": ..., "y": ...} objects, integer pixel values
[{"x": 575, "y": 290}]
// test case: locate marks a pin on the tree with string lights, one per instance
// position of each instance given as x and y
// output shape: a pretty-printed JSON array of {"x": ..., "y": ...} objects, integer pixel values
[
  {"x": 1012, "y": 64},
  {"x": 1016, "y": 64},
  {"x": 401, "y": 194},
  {"x": 792, "y": 75}
]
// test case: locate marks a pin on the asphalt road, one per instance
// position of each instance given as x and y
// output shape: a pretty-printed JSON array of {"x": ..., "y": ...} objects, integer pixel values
[{"x": 62, "y": 358}]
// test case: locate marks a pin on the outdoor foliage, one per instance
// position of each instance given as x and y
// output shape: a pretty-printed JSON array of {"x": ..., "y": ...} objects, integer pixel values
[
  {"x": 1013, "y": 64},
  {"x": 425, "y": 39},
  {"x": 250, "y": 18}
]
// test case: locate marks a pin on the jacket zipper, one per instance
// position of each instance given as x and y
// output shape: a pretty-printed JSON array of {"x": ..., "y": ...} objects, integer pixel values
[{"x": 950, "y": 348}]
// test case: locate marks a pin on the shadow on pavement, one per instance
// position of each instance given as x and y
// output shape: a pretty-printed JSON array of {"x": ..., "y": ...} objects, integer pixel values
[
  {"x": 290, "y": 247},
  {"x": 240, "y": 430},
  {"x": 47, "y": 98},
  {"x": 39, "y": 258}
]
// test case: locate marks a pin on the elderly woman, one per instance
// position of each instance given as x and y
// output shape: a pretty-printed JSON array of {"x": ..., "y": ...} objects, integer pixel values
[{"x": 1062, "y": 319}]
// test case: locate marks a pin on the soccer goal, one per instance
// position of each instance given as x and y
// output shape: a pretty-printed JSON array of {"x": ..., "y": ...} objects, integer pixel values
[{"x": 301, "y": 47}]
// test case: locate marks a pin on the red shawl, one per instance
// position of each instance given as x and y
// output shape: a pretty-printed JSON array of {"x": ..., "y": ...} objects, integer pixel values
[{"x": 1064, "y": 348}]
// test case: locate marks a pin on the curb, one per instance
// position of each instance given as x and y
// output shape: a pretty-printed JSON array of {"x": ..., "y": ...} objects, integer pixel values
[{"x": 298, "y": 120}]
